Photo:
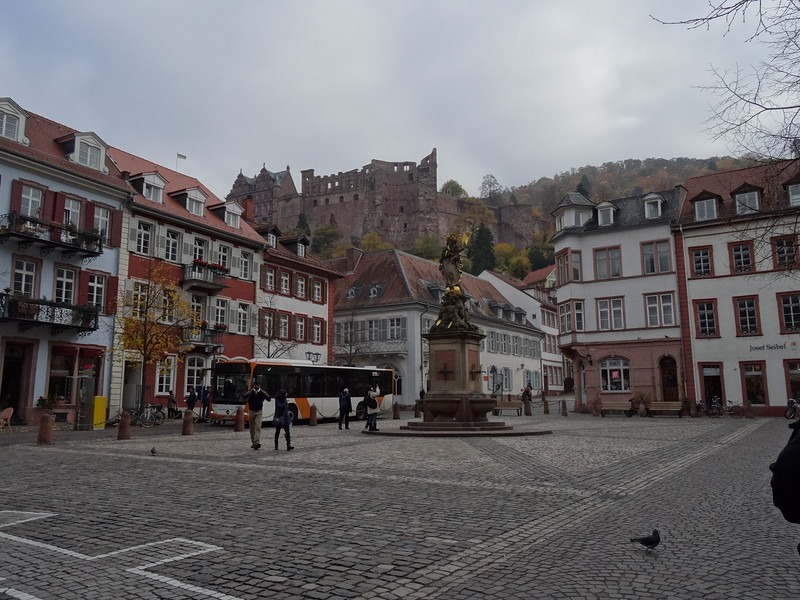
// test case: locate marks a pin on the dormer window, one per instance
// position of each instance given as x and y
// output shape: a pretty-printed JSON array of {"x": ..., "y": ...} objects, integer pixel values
[
  {"x": 9, "y": 126},
  {"x": 746, "y": 203},
  {"x": 232, "y": 219},
  {"x": 559, "y": 222},
  {"x": 153, "y": 193},
  {"x": 151, "y": 185},
  {"x": 350, "y": 293},
  {"x": 705, "y": 210},
  {"x": 195, "y": 201},
  {"x": 272, "y": 240},
  {"x": 89, "y": 155},
  {"x": 301, "y": 249},
  {"x": 605, "y": 216},
  {"x": 652, "y": 207},
  {"x": 12, "y": 121}
]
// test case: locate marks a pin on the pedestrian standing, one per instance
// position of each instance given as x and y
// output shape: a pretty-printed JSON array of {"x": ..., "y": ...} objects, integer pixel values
[
  {"x": 191, "y": 401},
  {"x": 282, "y": 419},
  {"x": 372, "y": 408},
  {"x": 172, "y": 405},
  {"x": 255, "y": 404},
  {"x": 345, "y": 408},
  {"x": 206, "y": 400}
]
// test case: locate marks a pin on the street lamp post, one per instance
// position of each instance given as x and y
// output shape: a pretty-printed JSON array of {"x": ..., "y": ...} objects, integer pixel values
[{"x": 313, "y": 356}]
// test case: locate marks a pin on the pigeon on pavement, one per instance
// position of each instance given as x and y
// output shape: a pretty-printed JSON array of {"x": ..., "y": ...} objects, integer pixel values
[
  {"x": 649, "y": 541},
  {"x": 153, "y": 450}
]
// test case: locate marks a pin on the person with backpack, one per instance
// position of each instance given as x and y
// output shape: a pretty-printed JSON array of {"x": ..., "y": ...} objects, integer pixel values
[
  {"x": 345, "y": 408},
  {"x": 255, "y": 405},
  {"x": 371, "y": 400},
  {"x": 282, "y": 419}
]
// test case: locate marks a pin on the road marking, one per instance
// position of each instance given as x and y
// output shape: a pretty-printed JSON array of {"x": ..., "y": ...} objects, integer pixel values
[{"x": 186, "y": 548}]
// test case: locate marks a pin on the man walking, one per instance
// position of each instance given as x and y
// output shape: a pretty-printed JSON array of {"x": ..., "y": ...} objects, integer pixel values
[{"x": 255, "y": 406}]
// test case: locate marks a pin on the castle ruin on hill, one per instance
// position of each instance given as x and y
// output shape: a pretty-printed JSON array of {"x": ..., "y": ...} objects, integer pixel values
[{"x": 398, "y": 200}]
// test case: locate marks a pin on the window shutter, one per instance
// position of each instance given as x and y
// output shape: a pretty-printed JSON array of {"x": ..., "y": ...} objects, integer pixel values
[
  {"x": 188, "y": 248},
  {"x": 383, "y": 328},
  {"x": 83, "y": 288},
  {"x": 48, "y": 206},
  {"x": 161, "y": 243},
  {"x": 132, "y": 235},
  {"x": 232, "y": 315},
  {"x": 235, "y": 262},
  {"x": 403, "y": 328},
  {"x": 88, "y": 217},
  {"x": 115, "y": 229},
  {"x": 16, "y": 196},
  {"x": 262, "y": 278},
  {"x": 112, "y": 289},
  {"x": 58, "y": 208}
]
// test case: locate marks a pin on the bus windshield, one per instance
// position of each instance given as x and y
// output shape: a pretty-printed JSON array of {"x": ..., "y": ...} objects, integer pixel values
[{"x": 231, "y": 381}]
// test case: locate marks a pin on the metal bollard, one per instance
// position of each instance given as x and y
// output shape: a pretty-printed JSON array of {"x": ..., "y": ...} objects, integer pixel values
[
  {"x": 124, "y": 432},
  {"x": 564, "y": 412},
  {"x": 545, "y": 405},
  {"x": 748, "y": 408},
  {"x": 238, "y": 424},
  {"x": 312, "y": 415},
  {"x": 188, "y": 423},
  {"x": 395, "y": 411},
  {"x": 45, "y": 430}
]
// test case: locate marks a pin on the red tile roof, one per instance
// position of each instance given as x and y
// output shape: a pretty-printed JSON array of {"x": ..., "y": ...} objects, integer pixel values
[
  {"x": 538, "y": 275},
  {"x": 178, "y": 182}
]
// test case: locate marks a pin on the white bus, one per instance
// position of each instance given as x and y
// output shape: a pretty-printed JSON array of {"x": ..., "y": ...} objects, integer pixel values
[{"x": 306, "y": 384}]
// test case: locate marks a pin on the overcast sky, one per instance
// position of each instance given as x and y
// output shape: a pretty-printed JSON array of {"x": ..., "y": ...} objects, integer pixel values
[{"x": 521, "y": 89}]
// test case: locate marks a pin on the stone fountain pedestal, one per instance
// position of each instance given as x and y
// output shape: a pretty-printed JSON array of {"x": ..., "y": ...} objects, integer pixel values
[{"x": 455, "y": 401}]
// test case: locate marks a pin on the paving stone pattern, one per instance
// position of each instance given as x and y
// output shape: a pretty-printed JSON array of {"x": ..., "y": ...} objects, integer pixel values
[{"x": 348, "y": 515}]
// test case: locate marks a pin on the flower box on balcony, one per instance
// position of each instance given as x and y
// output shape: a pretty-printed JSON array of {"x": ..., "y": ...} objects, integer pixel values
[{"x": 220, "y": 326}]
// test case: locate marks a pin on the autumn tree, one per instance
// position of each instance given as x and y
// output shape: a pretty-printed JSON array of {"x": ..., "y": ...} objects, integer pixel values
[
  {"x": 758, "y": 109},
  {"x": 372, "y": 242},
  {"x": 348, "y": 341},
  {"x": 153, "y": 320},
  {"x": 519, "y": 265},
  {"x": 452, "y": 187},
  {"x": 325, "y": 237},
  {"x": 474, "y": 214},
  {"x": 503, "y": 253},
  {"x": 491, "y": 190},
  {"x": 540, "y": 251},
  {"x": 427, "y": 246}
]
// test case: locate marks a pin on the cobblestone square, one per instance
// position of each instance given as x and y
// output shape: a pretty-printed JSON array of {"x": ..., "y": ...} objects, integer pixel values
[{"x": 348, "y": 515}]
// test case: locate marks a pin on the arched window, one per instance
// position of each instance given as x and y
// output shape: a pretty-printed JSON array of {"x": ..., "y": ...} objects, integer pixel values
[{"x": 615, "y": 375}]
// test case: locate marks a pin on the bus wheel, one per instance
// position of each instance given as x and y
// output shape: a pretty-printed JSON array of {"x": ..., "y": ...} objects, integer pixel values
[
  {"x": 293, "y": 413},
  {"x": 361, "y": 411}
]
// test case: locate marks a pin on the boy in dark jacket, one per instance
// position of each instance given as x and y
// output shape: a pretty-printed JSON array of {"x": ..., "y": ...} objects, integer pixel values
[
  {"x": 255, "y": 406},
  {"x": 345, "y": 408},
  {"x": 282, "y": 419}
]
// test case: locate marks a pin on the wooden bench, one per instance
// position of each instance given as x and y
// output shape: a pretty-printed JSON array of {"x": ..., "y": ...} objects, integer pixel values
[
  {"x": 621, "y": 405},
  {"x": 502, "y": 405},
  {"x": 665, "y": 407}
]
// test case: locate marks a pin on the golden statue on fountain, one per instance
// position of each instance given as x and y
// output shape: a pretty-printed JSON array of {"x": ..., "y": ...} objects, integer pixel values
[{"x": 453, "y": 314}]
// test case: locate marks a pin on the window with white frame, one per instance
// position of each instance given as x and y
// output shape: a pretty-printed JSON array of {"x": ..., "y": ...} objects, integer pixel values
[
  {"x": 608, "y": 263},
  {"x": 652, "y": 209},
  {"x": 660, "y": 310},
  {"x": 72, "y": 212},
  {"x": 267, "y": 324},
  {"x": 508, "y": 379},
  {"x": 615, "y": 375},
  {"x": 24, "y": 277},
  {"x": 199, "y": 249},
  {"x": 153, "y": 192},
  {"x": 610, "y": 314},
  {"x": 172, "y": 244},
  {"x": 790, "y": 312},
  {"x": 577, "y": 312},
  {"x": 166, "y": 375},
  {"x": 515, "y": 345},
  {"x": 747, "y": 315},
  {"x": 317, "y": 291},
  {"x": 301, "y": 250},
  {"x": 742, "y": 257},
  {"x": 168, "y": 306},
  {"x": 195, "y": 201},
  {"x": 746, "y": 203},
  {"x": 564, "y": 318},
  {"x": 272, "y": 240},
  {"x": 143, "y": 234},
  {"x": 102, "y": 222},
  {"x": 492, "y": 341},
  {"x": 605, "y": 216},
  {"x": 97, "y": 290},
  {"x": 89, "y": 155},
  {"x": 701, "y": 262},
  {"x": 31, "y": 202},
  {"x": 243, "y": 318},
  {"x": 397, "y": 328},
  {"x": 706, "y": 318},
  {"x": 224, "y": 256},
  {"x": 285, "y": 288},
  {"x": 283, "y": 326},
  {"x": 9, "y": 125},
  {"x": 139, "y": 293},
  {"x": 300, "y": 329},
  {"x": 316, "y": 331},
  {"x": 65, "y": 286},
  {"x": 197, "y": 304},
  {"x": 233, "y": 219},
  {"x": 784, "y": 251},
  {"x": 195, "y": 371},
  {"x": 705, "y": 210},
  {"x": 269, "y": 279},
  {"x": 220, "y": 311},
  {"x": 245, "y": 265},
  {"x": 300, "y": 286}
]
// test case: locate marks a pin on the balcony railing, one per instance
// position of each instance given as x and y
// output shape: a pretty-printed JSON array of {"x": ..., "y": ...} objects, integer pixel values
[
  {"x": 203, "y": 277},
  {"x": 30, "y": 231},
  {"x": 31, "y": 312},
  {"x": 201, "y": 336}
]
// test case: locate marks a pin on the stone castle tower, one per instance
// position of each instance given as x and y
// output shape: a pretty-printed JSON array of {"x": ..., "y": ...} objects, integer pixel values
[{"x": 398, "y": 200}]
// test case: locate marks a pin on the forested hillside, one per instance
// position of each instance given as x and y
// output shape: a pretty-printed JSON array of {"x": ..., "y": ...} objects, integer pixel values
[{"x": 612, "y": 180}]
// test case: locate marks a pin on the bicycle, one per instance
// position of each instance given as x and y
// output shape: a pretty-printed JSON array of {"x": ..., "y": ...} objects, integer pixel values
[
  {"x": 717, "y": 409},
  {"x": 792, "y": 408},
  {"x": 151, "y": 415}
]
